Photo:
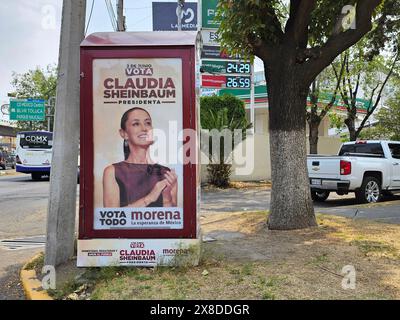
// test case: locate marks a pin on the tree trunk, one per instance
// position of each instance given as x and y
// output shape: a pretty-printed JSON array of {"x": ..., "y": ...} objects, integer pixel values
[
  {"x": 313, "y": 136},
  {"x": 291, "y": 205},
  {"x": 350, "y": 123}
]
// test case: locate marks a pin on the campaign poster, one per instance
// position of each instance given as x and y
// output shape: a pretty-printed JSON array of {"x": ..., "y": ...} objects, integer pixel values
[
  {"x": 137, "y": 118},
  {"x": 137, "y": 252}
]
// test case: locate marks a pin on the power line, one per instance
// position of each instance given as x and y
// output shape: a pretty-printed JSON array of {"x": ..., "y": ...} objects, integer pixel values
[
  {"x": 111, "y": 14},
  {"x": 90, "y": 17},
  {"x": 132, "y": 8},
  {"x": 139, "y": 21}
]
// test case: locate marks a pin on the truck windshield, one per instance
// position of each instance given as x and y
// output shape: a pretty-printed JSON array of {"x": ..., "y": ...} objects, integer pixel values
[{"x": 369, "y": 148}]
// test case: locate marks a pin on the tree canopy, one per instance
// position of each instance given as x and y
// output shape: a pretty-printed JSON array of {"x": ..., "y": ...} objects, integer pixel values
[
  {"x": 39, "y": 83},
  {"x": 319, "y": 29}
]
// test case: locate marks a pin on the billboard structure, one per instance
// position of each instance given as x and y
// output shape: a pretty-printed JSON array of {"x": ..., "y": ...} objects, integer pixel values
[
  {"x": 165, "y": 16},
  {"x": 139, "y": 121}
]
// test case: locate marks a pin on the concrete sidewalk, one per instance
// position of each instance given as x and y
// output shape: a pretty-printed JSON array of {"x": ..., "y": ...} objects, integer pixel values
[{"x": 232, "y": 200}]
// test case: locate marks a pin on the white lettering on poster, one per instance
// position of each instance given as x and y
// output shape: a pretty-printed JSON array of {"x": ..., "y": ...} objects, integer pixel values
[{"x": 138, "y": 218}]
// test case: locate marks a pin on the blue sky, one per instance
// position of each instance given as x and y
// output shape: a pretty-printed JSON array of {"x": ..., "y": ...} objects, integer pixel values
[{"x": 30, "y": 32}]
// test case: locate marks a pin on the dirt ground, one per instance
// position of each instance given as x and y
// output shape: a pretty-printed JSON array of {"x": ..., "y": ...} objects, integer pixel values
[{"x": 310, "y": 262}]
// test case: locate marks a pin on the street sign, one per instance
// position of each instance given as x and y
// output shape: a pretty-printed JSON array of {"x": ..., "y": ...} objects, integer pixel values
[
  {"x": 27, "y": 110},
  {"x": 220, "y": 81},
  {"x": 165, "y": 16},
  {"x": 208, "y": 12},
  {"x": 229, "y": 67}
]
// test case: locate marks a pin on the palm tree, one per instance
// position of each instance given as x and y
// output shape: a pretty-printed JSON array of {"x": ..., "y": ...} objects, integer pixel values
[{"x": 227, "y": 129}]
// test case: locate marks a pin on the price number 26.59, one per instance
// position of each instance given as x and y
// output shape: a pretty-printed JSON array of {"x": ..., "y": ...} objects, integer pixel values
[{"x": 238, "y": 82}]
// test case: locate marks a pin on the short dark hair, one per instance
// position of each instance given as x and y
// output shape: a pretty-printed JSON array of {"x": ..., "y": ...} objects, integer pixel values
[{"x": 125, "y": 116}]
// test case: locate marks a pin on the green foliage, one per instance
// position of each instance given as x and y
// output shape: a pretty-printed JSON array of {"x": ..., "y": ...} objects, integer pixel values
[
  {"x": 374, "y": 133},
  {"x": 385, "y": 34},
  {"x": 227, "y": 116},
  {"x": 324, "y": 18},
  {"x": 39, "y": 83},
  {"x": 243, "y": 22},
  {"x": 336, "y": 121},
  {"x": 389, "y": 121}
]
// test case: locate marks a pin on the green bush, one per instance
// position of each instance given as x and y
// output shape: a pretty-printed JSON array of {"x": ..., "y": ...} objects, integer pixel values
[{"x": 221, "y": 113}]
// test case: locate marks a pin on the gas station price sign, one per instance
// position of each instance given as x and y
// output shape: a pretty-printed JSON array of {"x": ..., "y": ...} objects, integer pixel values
[
  {"x": 242, "y": 82},
  {"x": 226, "y": 67},
  {"x": 238, "y": 67}
]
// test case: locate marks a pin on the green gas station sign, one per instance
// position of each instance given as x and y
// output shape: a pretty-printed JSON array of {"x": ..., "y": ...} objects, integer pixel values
[{"x": 208, "y": 12}]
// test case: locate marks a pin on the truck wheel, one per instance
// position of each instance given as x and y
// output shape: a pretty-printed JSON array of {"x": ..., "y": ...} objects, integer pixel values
[
  {"x": 370, "y": 191},
  {"x": 36, "y": 176},
  {"x": 319, "y": 196}
]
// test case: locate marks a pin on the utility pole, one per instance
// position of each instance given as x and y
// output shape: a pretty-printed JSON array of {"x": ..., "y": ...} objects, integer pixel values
[
  {"x": 63, "y": 178},
  {"x": 120, "y": 16},
  {"x": 252, "y": 92},
  {"x": 50, "y": 105},
  {"x": 181, "y": 4}
]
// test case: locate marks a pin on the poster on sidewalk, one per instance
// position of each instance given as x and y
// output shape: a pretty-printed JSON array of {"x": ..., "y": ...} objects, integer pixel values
[
  {"x": 137, "y": 252},
  {"x": 138, "y": 171}
]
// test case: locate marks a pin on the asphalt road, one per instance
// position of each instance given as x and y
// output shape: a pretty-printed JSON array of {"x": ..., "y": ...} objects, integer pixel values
[
  {"x": 23, "y": 205},
  {"x": 23, "y": 214},
  {"x": 229, "y": 200}
]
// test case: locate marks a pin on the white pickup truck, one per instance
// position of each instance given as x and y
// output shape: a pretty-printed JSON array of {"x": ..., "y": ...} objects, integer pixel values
[{"x": 369, "y": 168}]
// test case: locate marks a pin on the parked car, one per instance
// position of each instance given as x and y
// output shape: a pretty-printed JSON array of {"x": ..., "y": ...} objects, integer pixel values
[
  {"x": 6, "y": 160},
  {"x": 370, "y": 169}
]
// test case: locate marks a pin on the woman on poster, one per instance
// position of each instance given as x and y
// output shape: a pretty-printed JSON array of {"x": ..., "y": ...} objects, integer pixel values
[{"x": 138, "y": 181}]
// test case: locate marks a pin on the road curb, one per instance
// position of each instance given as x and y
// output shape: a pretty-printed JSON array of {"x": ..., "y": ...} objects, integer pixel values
[
  {"x": 31, "y": 284},
  {"x": 374, "y": 205}
]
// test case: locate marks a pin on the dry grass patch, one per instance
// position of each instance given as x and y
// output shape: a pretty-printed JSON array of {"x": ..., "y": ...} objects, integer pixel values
[{"x": 256, "y": 263}]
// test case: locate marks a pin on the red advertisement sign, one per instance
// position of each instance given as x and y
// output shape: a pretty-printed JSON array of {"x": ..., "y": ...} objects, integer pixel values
[{"x": 212, "y": 81}]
